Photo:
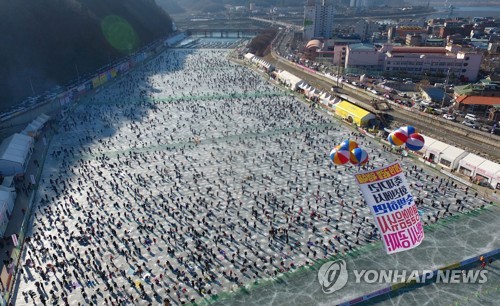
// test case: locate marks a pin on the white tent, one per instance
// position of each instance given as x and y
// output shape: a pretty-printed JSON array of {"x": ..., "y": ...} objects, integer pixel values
[
  {"x": 7, "y": 200},
  {"x": 434, "y": 151},
  {"x": 15, "y": 152},
  {"x": 302, "y": 85},
  {"x": 249, "y": 56},
  {"x": 289, "y": 79},
  {"x": 428, "y": 141},
  {"x": 316, "y": 93},
  {"x": 490, "y": 171},
  {"x": 8, "y": 181},
  {"x": 36, "y": 125},
  {"x": 325, "y": 98},
  {"x": 451, "y": 156},
  {"x": 469, "y": 164},
  {"x": 495, "y": 181}
]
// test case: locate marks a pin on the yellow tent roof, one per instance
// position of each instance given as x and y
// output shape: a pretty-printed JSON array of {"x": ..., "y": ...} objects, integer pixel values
[{"x": 354, "y": 110}]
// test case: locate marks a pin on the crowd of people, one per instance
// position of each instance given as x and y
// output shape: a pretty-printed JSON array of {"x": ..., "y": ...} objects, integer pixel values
[{"x": 192, "y": 176}]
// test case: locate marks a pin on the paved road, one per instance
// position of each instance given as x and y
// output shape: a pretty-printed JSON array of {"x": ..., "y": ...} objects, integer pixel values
[{"x": 400, "y": 116}]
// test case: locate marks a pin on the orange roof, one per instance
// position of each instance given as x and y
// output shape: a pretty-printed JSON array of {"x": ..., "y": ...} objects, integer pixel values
[
  {"x": 478, "y": 100},
  {"x": 418, "y": 50},
  {"x": 315, "y": 43}
]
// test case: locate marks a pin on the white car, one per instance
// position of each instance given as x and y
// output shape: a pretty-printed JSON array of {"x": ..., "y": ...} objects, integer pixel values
[
  {"x": 470, "y": 124},
  {"x": 449, "y": 117},
  {"x": 426, "y": 103},
  {"x": 470, "y": 117}
]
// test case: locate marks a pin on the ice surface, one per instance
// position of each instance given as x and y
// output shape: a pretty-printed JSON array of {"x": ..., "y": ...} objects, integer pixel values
[{"x": 198, "y": 156}]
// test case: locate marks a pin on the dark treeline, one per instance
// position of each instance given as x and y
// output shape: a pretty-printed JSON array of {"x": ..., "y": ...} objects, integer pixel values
[
  {"x": 260, "y": 44},
  {"x": 50, "y": 42}
]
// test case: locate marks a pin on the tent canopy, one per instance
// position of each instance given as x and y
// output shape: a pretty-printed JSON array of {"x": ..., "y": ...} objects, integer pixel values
[
  {"x": 359, "y": 116},
  {"x": 452, "y": 153},
  {"x": 436, "y": 148},
  {"x": 36, "y": 125},
  {"x": 488, "y": 169},
  {"x": 472, "y": 161},
  {"x": 289, "y": 78},
  {"x": 16, "y": 148}
]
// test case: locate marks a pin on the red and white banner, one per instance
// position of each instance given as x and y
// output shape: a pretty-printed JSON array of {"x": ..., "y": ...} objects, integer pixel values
[{"x": 386, "y": 192}]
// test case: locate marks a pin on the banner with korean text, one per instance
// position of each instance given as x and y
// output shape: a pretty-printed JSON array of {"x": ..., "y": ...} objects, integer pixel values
[{"x": 386, "y": 192}]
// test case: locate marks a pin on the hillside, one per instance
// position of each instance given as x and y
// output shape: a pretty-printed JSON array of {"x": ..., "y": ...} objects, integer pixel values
[{"x": 49, "y": 42}]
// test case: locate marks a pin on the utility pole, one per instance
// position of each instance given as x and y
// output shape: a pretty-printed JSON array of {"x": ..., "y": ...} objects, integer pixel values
[{"x": 445, "y": 85}]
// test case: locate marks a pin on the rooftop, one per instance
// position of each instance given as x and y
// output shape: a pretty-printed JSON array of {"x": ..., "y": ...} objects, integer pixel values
[
  {"x": 362, "y": 47},
  {"x": 420, "y": 50},
  {"x": 478, "y": 100}
]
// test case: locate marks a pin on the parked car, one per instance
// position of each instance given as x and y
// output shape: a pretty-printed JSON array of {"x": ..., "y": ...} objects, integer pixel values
[
  {"x": 470, "y": 124},
  {"x": 471, "y": 117},
  {"x": 430, "y": 110},
  {"x": 426, "y": 103},
  {"x": 486, "y": 128},
  {"x": 449, "y": 117}
]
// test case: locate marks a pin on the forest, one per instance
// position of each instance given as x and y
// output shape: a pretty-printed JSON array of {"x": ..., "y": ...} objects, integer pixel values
[{"x": 49, "y": 43}]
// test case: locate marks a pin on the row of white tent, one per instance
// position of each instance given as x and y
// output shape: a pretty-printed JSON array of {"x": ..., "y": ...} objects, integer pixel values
[
  {"x": 466, "y": 163},
  {"x": 295, "y": 83},
  {"x": 15, "y": 153},
  {"x": 7, "y": 201},
  {"x": 259, "y": 61},
  {"x": 36, "y": 126},
  {"x": 16, "y": 150}
]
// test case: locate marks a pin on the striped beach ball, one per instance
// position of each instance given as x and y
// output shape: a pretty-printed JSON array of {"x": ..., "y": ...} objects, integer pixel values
[{"x": 415, "y": 142}]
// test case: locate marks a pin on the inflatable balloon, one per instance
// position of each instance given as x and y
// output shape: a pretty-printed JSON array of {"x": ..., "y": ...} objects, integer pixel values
[
  {"x": 359, "y": 156},
  {"x": 348, "y": 145},
  {"x": 339, "y": 157},
  {"x": 333, "y": 152},
  {"x": 397, "y": 137},
  {"x": 415, "y": 142},
  {"x": 408, "y": 130}
]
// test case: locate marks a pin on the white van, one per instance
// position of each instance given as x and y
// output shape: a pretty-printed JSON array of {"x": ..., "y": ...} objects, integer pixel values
[{"x": 471, "y": 117}]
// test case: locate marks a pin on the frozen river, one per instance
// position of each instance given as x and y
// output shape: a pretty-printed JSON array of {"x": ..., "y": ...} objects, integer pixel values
[{"x": 193, "y": 176}]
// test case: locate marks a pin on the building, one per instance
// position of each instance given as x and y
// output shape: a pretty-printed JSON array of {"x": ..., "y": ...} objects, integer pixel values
[
  {"x": 353, "y": 113},
  {"x": 479, "y": 105},
  {"x": 430, "y": 61},
  {"x": 365, "y": 28},
  {"x": 312, "y": 48},
  {"x": 435, "y": 94},
  {"x": 414, "y": 40},
  {"x": 402, "y": 31},
  {"x": 479, "y": 89},
  {"x": 338, "y": 47},
  {"x": 363, "y": 56},
  {"x": 318, "y": 19},
  {"x": 420, "y": 23}
]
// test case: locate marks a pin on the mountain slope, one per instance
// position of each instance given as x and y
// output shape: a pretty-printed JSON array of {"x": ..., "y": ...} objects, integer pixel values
[{"x": 49, "y": 42}]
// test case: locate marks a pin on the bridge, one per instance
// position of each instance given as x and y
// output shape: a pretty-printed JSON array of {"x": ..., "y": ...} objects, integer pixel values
[{"x": 225, "y": 32}]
